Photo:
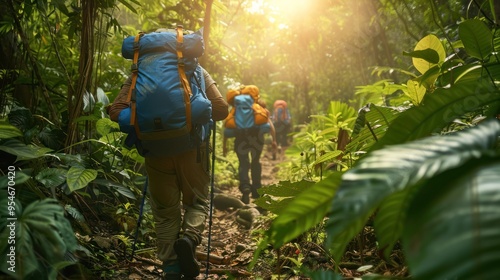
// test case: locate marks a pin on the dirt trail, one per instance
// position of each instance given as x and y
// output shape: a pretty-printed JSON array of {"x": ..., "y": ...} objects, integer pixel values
[
  {"x": 232, "y": 240},
  {"x": 269, "y": 166}
]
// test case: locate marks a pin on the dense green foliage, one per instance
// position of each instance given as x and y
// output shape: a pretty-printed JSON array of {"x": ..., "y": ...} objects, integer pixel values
[
  {"x": 385, "y": 97},
  {"x": 420, "y": 177}
]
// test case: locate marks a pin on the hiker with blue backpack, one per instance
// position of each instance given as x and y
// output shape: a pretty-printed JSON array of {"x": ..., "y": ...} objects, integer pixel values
[
  {"x": 167, "y": 107},
  {"x": 248, "y": 122}
]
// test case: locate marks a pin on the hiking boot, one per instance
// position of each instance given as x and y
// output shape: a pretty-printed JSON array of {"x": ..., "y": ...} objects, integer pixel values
[
  {"x": 255, "y": 194},
  {"x": 185, "y": 250},
  {"x": 171, "y": 276},
  {"x": 171, "y": 272},
  {"x": 255, "y": 191},
  {"x": 245, "y": 198}
]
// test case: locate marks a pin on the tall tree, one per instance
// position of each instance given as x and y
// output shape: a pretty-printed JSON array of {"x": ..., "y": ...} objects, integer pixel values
[
  {"x": 85, "y": 69},
  {"x": 206, "y": 29}
]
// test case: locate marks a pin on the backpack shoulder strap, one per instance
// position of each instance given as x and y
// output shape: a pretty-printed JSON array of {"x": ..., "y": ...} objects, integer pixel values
[
  {"x": 135, "y": 70},
  {"x": 184, "y": 81}
]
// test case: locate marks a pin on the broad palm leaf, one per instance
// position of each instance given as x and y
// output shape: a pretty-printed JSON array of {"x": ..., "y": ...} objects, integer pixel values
[{"x": 388, "y": 179}]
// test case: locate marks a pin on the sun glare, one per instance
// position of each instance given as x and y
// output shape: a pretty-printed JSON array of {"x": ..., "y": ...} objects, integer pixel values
[
  {"x": 293, "y": 8},
  {"x": 256, "y": 7},
  {"x": 282, "y": 26},
  {"x": 284, "y": 10}
]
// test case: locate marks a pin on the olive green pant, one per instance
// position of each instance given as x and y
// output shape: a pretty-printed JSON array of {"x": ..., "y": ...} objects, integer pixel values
[{"x": 182, "y": 178}]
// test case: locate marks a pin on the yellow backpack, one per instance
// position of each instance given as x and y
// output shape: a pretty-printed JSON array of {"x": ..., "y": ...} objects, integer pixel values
[{"x": 246, "y": 112}]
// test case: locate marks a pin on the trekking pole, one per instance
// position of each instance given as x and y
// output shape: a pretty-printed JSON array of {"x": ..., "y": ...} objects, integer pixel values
[
  {"x": 144, "y": 191},
  {"x": 212, "y": 180}
]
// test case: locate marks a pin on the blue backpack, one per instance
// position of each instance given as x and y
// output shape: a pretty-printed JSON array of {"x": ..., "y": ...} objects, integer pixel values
[
  {"x": 281, "y": 114},
  {"x": 170, "y": 112},
  {"x": 246, "y": 114}
]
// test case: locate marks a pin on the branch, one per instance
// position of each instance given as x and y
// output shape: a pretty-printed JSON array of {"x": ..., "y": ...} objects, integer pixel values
[{"x": 56, "y": 49}]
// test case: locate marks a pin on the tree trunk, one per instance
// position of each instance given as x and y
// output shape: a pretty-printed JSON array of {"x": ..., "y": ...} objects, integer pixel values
[
  {"x": 206, "y": 30},
  {"x": 86, "y": 62}
]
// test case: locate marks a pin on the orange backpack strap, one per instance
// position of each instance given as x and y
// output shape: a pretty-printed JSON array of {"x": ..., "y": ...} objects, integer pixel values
[
  {"x": 230, "y": 96},
  {"x": 260, "y": 114},
  {"x": 184, "y": 81},
  {"x": 135, "y": 70},
  {"x": 229, "y": 121}
]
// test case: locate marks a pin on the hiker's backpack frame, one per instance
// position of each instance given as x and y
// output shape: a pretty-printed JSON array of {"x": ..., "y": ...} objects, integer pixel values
[{"x": 172, "y": 114}]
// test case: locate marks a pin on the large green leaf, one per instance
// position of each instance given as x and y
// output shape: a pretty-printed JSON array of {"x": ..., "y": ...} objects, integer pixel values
[
  {"x": 428, "y": 79},
  {"x": 415, "y": 91},
  {"x": 305, "y": 211},
  {"x": 496, "y": 39},
  {"x": 452, "y": 230},
  {"x": 9, "y": 131},
  {"x": 23, "y": 151},
  {"x": 276, "y": 197},
  {"x": 476, "y": 37},
  {"x": 112, "y": 139},
  {"x": 273, "y": 204},
  {"x": 455, "y": 73},
  {"x": 105, "y": 126},
  {"x": 116, "y": 186},
  {"x": 440, "y": 108},
  {"x": 19, "y": 178},
  {"x": 43, "y": 236},
  {"x": 21, "y": 118},
  {"x": 52, "y": 138},
  {"x": 78, "y": 177},
  {"x": 70, "y": 160},
  {"x": 386, "y": 172},
  {"x": 51, "y": 177},
  {"x": 287, "y": 188},
  {"x": 428, "y": 47},
  {"x": 389, "y": 221},
  {"x": 428, "y": 55}
]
